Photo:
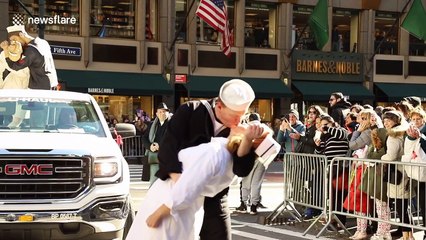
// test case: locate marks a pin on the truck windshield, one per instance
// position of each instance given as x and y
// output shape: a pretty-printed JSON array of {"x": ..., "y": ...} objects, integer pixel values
[{"x": 49, "y": 115}]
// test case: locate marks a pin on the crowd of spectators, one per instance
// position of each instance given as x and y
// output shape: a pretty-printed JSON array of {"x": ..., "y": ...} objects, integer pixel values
[
  {"x": 361, "y": 131},
  {"x": 140, "y": 119}
]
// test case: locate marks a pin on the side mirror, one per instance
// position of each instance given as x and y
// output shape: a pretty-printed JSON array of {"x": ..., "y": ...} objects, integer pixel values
[{"x": 124, "y": 129}]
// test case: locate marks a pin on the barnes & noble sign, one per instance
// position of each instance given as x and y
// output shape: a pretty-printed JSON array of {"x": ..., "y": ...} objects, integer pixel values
[{"x": 332, "y": 66}]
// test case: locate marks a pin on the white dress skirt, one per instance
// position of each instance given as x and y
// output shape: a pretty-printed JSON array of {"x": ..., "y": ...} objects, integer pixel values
[{"x": 207, "y": 170}]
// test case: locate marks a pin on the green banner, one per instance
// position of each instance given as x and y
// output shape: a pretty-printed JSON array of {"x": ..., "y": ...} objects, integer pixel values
[
  {"x": 318, "y": 22},
  {"x": 415, "y": 21}
]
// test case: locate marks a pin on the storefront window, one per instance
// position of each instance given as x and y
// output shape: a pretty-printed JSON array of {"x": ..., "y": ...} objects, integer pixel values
[
  {"x": 301, "y": 16},
  {"x": 387, "y": 33},
  {"x": 125, "y": 108},
  {"x": 344, "y": 32},
  {"x": 260, "y": 22},
  {"x": 60, "y": 17},
  {"x": 180, "y": 24},
  {"x": 417, "y": 47},
  {"x": 112, "y": 18},
  {"x": 264, "y": 108},
  {"x": 206, "y": 34}
]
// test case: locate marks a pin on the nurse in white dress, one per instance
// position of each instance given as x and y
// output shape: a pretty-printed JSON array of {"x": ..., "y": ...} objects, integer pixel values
[{"x": 207, "y": 170}]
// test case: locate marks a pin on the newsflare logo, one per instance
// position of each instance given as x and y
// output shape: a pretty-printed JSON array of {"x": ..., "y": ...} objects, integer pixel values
[{"x": 20, "y": 19}]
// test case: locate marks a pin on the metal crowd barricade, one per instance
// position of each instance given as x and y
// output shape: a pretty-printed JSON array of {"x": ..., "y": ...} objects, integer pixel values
[
  {"x": 132, "y": 147},
  {"x": 371, "y": 178},
  {"x": 304, "y": 181}
]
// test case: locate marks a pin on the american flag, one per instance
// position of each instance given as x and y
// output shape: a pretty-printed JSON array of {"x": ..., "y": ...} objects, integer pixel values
[{"x": 215, "y": 14}]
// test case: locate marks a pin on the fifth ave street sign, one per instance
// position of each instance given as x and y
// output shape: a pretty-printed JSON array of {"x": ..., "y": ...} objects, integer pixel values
[{"x": 65, "y": 51}]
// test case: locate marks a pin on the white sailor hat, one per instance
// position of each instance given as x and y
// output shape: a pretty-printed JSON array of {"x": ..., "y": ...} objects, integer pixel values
[
  {"x": 16, "y": 28},
  {"x": 236, "y": 95}
]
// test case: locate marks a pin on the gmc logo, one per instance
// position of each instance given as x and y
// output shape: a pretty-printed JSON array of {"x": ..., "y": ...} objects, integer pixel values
[{"x": 23, "y": 169}]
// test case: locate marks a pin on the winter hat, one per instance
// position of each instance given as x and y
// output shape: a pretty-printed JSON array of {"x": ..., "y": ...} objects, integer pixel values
[
  {"x": 295, "y": 113},
  {"x": 413, "y": 100},
  {"x": 395, "y": 116}
]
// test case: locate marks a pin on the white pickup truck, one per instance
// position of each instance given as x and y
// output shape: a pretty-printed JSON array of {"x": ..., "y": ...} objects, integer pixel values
[{"x": 62, "y": 175}]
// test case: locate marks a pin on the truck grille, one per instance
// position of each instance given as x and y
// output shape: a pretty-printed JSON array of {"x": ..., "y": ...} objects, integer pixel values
[{"x": 43, "y": 177}]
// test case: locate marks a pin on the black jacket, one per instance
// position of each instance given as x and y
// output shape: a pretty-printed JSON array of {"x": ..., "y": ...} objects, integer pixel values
[
  {"x": 159, "y": 134},
  {"x": 336, "y": 111},
  {"x": 192, "y": 126},
  {"x": 306, "y": 143}
]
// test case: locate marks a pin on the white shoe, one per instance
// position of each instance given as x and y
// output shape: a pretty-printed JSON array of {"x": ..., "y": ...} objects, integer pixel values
[
  {"x": 386, "y": 236},
  {"x": 359, "y": 235}
]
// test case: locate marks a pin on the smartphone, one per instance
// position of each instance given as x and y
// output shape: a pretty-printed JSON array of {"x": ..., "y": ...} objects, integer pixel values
[{"x": 317, "y": 135}]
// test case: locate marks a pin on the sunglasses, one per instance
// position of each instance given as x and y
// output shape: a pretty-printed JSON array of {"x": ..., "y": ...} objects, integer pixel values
[{"x": 313, "y": 112}]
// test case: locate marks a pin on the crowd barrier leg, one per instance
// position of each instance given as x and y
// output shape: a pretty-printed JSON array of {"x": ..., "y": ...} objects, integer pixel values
[
  {"x": 285, "y": 206},
  {"x": 312, "y": 224},
  {"x": 277, "y": 211}
]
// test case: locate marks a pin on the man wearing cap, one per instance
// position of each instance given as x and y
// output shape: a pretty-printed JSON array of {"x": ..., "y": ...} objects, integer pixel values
[
  {"x": 194, "y": 123},
  {"x": 291, "y": 130},
  {"x": 152, "y": 138},
  {"x": 36, "y": 56}
]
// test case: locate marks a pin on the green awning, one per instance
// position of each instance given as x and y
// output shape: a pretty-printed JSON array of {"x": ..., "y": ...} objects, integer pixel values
[
  {"x": 320, "y": 91},
  {"x": 203, "y": 86},
  {"x": 396, "y": 91},
  {"x": 117, "y": 82}
]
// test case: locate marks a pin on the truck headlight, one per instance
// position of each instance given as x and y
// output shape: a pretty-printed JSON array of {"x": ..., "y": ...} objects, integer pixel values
[{"x": 107, "y": 170}]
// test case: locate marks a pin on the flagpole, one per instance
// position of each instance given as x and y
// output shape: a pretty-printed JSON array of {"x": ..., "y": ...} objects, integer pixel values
[
  {"x": 181, "y": 26},
  {"x": 390, "y": 31},
  {"x": 297, "y": 41}
]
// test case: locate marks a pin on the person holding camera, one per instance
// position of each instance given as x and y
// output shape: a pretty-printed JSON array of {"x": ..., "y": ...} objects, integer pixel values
[{"x": 291, "y": 130}]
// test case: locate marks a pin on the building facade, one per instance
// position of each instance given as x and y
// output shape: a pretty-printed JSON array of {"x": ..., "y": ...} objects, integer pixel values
[{"x": 131, "y": 54}]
